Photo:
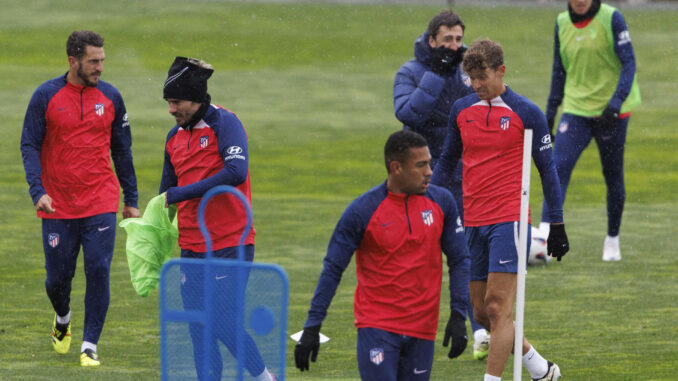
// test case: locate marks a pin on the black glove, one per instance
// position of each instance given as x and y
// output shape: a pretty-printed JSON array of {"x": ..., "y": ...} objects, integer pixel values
[
  {"x": 441, "y": 60},
  {"x": 557, "y": 244},
  {"x": 309, "y": 344},
  {"x": 550, "y": 121},
  {"x": 456, "y": 329},
  {"x": 609, "y": 119}
]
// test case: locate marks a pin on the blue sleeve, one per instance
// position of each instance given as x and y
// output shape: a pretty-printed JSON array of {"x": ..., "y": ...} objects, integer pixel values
[
  {"x": 557, "y": 80},
  {"x": 542, "y": 154},
  {"x": 624, "y": 50},
  {"x": 414, "y": 102},
  {"x": 169, "y": 176},
  {"x": 442, "y": 174},
  {"x": 232, "y": 144},
  {"x": 453, "y": 244},
  {"x": 32, "y": 136},
  {"x": 121, "y": 152},
  {"x": 344, "y": 242}
]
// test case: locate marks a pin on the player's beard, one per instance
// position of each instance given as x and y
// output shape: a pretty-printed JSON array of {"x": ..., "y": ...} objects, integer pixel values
[{"x": 85, "y": 78}]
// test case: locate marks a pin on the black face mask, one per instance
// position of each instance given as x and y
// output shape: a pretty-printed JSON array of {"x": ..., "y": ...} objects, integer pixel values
[
  {"x": 199, "y": 114},
  {"x": 595, "y": 7}
]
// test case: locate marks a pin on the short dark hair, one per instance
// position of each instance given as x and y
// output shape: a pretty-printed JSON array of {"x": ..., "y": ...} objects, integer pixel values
[
  {"x": 77, "y": 42},
  {"x": 483, "y": 54},
  {"x": 447, "y": 18},
  {"x": 397, "y": 147}
]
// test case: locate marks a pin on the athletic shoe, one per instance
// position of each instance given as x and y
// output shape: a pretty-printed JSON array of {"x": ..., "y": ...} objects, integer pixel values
[
  {"x": 611, "y": 251},
  {"x": 61, "y": 337},
  {"x": 89, "y": 358},
  {"x": 481, "y": 344},
  {"x": 552, "y": 374}
]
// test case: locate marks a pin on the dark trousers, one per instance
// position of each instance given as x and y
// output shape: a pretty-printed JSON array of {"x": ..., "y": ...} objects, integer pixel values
[
  {"x": 573, "y": 136},
  {"x": 224, "y": 312},
  {"x": 62, "y": 239}
]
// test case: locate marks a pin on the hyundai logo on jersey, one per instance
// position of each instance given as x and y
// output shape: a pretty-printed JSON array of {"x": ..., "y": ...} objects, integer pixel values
[
  {"x": 376, "y": 356},
  {"x": 53, "y": 239},
  {"x": 546, "y": 139},
  {"x": 204, "y": 141},
  {"x": 234, "y": 150},
  {"x": 99, "y": 109},
  {"x": 427, "y": 216},
  {"x": 504, "y": 122}
]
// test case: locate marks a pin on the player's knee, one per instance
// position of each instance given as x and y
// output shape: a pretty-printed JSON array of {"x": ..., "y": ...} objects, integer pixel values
[
  {"x": 480, "y": 316},
  {"x": 496, "y": 310},
  {"x": 99, "y": 270}
]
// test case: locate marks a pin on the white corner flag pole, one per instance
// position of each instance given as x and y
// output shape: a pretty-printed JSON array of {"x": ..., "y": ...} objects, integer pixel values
[{"x": 522, "y": 256}]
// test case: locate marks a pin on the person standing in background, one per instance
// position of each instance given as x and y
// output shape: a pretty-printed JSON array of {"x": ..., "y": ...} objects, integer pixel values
[
  {"x": 594, "y": 78},
  {"x": 423, "y": 93}
]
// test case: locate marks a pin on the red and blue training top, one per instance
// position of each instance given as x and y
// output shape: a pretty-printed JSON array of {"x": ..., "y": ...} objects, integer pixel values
[
  {"x": 210, "y": 153},
  {"x": 398, "y": 241},
  {"x": 488, "y": 136},
  {"x": 70, "y": 134}
]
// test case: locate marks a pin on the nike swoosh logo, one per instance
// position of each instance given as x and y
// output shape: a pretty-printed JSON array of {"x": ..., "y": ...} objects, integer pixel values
[
  {"x": 580, "y": 38},
  {"x": 501, "y": 261},
  {"x": 386, "y": 224},
  {"x": 219, "y": 277},
  {"x": 471, "y": 120},
  {"x": 417, "y": 371},
  {"x": 104, "y": 228}
]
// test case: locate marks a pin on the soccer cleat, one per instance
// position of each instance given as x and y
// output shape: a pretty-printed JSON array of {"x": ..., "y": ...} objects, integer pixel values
[
  {"x": 61, "y": 337},
  {"x": 481, "y": 344},
  {"x": 611, "y": 251},
  {"x": 552, "y": 374},
  {"x": 89, "y": 358}
]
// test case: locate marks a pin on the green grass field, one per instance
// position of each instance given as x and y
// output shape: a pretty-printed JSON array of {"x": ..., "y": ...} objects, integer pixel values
[{"x": 312, "y": 84}]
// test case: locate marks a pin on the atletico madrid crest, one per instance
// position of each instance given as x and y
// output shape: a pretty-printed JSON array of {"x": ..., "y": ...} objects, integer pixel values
[
  {"x": 377, "y": 355},
  {"x": 204, "y": 141},
  {"x": 53, "y": 239},
  {"x": 427, "y": 216},
  {"x": 99, "y": 109},
  {"x": 504, "y": 122}
]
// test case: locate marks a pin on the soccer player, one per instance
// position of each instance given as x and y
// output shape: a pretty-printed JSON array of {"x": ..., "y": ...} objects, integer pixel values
[
  {"x": 423, "y": 93},
  {"x": 208, "y": 147},
  {"x": 74, "y": 124},
  {"x": 486, "y": 130},
  {"x": 594, "y": 77},
  {"x": 397, "y": 230}
]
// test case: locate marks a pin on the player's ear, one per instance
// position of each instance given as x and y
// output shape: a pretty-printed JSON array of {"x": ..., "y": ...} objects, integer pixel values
[{"x": 394, "y": 167}]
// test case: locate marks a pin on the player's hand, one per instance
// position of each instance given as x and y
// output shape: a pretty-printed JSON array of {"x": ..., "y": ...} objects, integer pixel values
[
  {"x": 441, "y": 60},
  {"x": 130, "y": 212},
  {"x": 557, "y": 244},
  {"x": 550, "y": 121},
  {"x": 308, "y": 345},
  {"x": 456, "y": 330},
  {"x": 44, "y": 204},
  {"x": 609, "y": 119}
]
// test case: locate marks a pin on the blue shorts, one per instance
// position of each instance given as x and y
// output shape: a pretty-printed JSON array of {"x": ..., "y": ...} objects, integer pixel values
[
  {"x": 388, "y": 356},
  {"x": 494, "y": 248}
]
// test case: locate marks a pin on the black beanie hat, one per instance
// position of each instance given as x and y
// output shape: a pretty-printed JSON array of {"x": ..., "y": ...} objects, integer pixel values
[{"x": 186, "y": 79}]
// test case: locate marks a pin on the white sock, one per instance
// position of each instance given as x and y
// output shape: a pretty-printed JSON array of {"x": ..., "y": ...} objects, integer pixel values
[
  {"x": 88, "y": 345},
  {"x": 479, "y": 335},
  {"x": 544, "y": 227},
  {"x": 264, "y": 376},
  {"x": 613, "y": 240},
  {"x": 64, "y": 319},
  {"x": 491, "y": 378},
  {"x": 535, "y": 364}
]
